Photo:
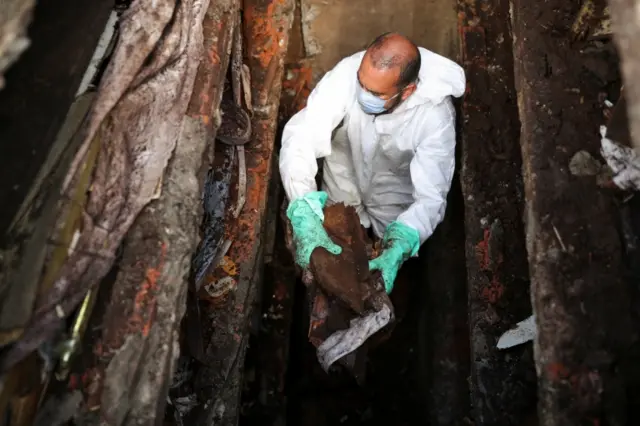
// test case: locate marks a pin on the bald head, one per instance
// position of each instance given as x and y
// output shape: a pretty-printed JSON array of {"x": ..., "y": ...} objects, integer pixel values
[
  {"x": 388, "y": 73},
  {"x": 395, "y": 52}
]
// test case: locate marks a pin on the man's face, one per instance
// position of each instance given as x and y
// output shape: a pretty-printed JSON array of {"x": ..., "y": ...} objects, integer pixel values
[{"x": 382, "y": 83}]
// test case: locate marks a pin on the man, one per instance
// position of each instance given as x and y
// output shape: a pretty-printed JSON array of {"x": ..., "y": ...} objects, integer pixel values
[{"x": 384, "y": 123}]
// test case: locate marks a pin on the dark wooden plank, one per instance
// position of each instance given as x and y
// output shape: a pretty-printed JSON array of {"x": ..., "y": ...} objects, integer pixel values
[
  {"x": 142, "y": 322},
  {"x": 226, "y": 317},
  {"x": 581, "y": 302},
  {"x": 502, "y": 382}
]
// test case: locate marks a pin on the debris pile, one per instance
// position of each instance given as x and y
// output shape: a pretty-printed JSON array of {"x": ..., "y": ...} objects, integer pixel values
[{"x": 109, "y": 265}]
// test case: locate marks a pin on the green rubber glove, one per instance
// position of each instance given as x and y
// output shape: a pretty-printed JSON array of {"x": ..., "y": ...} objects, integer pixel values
[
  {"x": 306, "y": 216},
  {"x": 400, "y": 242}
]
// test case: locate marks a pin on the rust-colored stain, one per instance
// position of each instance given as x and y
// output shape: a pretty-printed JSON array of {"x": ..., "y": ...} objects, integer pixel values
[
  {"x": 266, "y": 26},
  {"x": 145, "y": 299},
  {"x": 482, "y": 251},
  {"x": 296, "y": 88},
  {"x": 494, "y": 290},
  {"x": 557, "y": 371},
  {"x": 229, "y": 266},
  {"x": 215, "y": 41}
]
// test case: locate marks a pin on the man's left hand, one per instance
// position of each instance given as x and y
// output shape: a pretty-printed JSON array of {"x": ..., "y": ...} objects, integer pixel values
[{"x": 401, "y": 242}]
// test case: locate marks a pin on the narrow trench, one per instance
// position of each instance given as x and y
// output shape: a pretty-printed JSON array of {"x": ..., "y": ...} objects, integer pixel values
[
  {"x": 425, "y": 363},
  {"x": 391, "y": 391},
  {"x": 396, "y": 387}
]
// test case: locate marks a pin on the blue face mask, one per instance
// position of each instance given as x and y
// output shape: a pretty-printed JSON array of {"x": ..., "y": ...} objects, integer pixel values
[{"x": 370, "y": 103}]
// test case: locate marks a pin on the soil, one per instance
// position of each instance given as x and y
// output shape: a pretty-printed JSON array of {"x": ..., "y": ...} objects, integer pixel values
[{"x": 503, "y": 383}]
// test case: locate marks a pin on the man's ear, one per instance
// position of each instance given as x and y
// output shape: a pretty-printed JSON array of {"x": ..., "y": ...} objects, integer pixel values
[{"x": 408, "y": 91}]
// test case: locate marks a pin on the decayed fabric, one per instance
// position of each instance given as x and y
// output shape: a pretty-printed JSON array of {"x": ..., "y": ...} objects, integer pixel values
[
  {"x": 624, "y": 162},
  {"x": 129, "y": 137},
  {"x": 344, "y": 342}
]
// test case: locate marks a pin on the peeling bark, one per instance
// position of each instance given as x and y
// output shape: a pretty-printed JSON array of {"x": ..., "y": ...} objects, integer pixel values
[{"x": 140, "y": 344}]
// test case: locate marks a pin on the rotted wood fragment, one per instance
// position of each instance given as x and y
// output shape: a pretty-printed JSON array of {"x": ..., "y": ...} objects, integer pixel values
[
  {"x": 502, "y": 384},
  {"x": 269, "y": 352},
  {"x": 218, "y": 185},
  {"x": 142, "y": 325},
  {"x": 140, "y": 343},
  {"x": 226, "y": 318},
  {"x": 580, "y": 300},
  {"x": 347, "y": 275}
]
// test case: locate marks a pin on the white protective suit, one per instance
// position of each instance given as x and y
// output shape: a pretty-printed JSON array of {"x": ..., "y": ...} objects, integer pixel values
[{"x": 396, "y": 166}]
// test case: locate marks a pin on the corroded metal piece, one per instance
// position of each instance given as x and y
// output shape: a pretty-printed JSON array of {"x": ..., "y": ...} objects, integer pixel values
[{"x": 225, "y": 318}]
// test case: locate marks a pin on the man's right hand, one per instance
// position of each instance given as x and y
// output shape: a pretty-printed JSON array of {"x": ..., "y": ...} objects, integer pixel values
[{"x": 306, "y": 216}]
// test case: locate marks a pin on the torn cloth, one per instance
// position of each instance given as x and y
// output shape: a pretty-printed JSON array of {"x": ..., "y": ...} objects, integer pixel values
[{"x": 343, "y": 342}]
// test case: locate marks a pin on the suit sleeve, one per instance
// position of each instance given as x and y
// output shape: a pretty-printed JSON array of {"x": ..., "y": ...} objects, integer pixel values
[
  {"x": 432, "y": 170},
  {"x": 307, "y": 135}
]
